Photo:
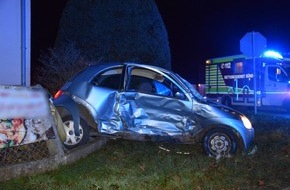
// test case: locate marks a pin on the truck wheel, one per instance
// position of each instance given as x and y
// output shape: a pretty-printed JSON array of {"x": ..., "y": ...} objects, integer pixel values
[
  {"x": 73, "y": 141},
  {"x": 220, "y": 143}
]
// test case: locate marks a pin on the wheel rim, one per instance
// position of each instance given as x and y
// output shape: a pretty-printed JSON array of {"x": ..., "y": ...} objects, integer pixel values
[
  {"x": 71, "y": 138},
  {"x": 220, "y": 144}
]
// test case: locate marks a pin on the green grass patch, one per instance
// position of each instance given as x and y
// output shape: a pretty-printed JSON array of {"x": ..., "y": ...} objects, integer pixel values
[{"x": 122, "y": 164}]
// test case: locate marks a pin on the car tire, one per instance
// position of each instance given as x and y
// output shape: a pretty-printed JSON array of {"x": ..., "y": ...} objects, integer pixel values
[
  {"x": 73, "y": 141},
  {"x": 220, "y": 143}
]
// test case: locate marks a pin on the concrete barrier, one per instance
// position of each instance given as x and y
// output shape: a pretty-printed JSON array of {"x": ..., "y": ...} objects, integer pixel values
[{"x": 57, "y": 153}]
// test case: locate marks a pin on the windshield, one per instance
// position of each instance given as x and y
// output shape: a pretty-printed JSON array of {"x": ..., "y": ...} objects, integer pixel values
[
  {"x": 287, "y": 70},
  {"x": 193, "y": 91}
]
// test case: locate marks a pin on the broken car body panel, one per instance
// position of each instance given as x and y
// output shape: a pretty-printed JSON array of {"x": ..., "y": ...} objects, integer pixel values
[{"x": 144, "y": 102}]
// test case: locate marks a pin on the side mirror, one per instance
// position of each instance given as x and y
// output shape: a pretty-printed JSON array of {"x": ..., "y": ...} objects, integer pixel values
[{"x": 179, "y": 95}]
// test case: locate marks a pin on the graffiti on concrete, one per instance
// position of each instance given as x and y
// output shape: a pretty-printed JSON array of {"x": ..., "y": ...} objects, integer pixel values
[
  {"x": 14, "y": 132},
  {"x": 24, "y": 116}
]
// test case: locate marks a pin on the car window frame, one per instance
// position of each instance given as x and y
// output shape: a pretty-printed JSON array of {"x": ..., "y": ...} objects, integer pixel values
[
  {"x": 93, "y": 80},
  {"x": 128, "y": 78}
]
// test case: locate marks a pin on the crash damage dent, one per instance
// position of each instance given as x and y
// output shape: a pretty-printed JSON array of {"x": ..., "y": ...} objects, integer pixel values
[
  {"x": 107, "y": 116},
  {"x": 218, "y": 118},
  {"x": 135, "y": 114}
]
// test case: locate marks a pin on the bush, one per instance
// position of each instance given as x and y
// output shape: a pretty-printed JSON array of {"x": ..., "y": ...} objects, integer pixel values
[{"x": 57, "y": 65}]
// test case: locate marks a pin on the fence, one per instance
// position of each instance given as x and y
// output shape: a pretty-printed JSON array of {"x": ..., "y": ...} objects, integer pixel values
[
  {"x": 44, "y": 155},
  {"x": 30, "y": 146},
  {"x": 24, "y": 153}
]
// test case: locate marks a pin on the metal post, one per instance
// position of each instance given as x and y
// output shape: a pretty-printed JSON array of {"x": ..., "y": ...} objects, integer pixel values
[
  {"x": 255, "y": 80},
  {"x": 23, "y": 43}
]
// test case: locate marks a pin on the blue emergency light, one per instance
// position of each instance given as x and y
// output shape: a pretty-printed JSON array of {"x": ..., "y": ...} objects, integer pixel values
[{"x": 272, "y": 54}]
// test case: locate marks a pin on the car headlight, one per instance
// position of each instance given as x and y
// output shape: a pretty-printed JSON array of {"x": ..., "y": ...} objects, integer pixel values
[{"x": 246, "y": 122}]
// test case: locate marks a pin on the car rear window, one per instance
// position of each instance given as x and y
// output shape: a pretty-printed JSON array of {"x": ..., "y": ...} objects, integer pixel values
[{"x": 109, "y": 79}]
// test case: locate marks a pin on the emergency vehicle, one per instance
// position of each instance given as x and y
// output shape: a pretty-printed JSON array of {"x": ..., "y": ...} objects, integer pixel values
[{"x": 230, "y": 80}]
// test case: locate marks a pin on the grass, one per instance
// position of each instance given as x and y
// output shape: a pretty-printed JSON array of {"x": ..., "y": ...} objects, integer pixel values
[{"x": 132, "y": 165}]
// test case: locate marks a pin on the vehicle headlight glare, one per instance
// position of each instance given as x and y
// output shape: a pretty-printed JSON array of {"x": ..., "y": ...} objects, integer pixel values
[{"x": 246, "y": 122}]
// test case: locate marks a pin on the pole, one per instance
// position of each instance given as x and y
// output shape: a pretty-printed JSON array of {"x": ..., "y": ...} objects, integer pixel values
[
  {"x": 23, "y": 43},
  {"x": 255, "y": 80}
]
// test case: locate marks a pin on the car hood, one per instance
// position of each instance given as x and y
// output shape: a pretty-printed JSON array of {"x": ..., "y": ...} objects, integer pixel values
[{"x": 209, "y": 109}]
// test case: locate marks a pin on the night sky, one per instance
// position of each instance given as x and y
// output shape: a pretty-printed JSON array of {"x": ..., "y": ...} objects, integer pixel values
[{"x": 197, "y": 29}]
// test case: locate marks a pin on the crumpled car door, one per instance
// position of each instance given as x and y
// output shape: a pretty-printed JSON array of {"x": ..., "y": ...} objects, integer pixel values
[{"x": 150, "y": 114}]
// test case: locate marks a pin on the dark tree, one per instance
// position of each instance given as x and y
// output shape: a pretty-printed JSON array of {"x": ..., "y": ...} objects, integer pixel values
[{"x": 115, "y": 30}]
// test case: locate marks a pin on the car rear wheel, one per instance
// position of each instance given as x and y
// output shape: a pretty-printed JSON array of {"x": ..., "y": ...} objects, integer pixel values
[
  {"x": 220, "y": 143},
  {"x": 73, "y": 141}
]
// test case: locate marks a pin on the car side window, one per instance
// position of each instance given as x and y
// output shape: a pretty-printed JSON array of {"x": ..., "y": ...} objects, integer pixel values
[
  {"x": 109, "y": 79},
  {"x": 277, "y": 74},
  {"x": 168, "y": 88},
  {"x": 151, "y": 82}
]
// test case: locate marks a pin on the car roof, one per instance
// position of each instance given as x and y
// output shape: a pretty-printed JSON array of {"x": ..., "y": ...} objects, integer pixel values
[{"x": 89, "y": 72}]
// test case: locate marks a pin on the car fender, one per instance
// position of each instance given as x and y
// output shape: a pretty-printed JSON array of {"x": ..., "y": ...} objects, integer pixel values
[
  {"x": 71, "y": 106},
  {"x": 247, "y": 135}
]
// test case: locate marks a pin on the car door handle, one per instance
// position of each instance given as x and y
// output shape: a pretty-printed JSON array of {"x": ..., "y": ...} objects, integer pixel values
[{"x": 130, "y": 97}]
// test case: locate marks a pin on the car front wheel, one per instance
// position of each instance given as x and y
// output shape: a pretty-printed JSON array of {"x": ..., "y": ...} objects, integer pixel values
[
  {"x": 220, "y": 143},
  {"x": 73, "y": 141}
]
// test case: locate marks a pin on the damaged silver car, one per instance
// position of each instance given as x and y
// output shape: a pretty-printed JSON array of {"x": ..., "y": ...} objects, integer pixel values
[{"x": 142, "y": 102}]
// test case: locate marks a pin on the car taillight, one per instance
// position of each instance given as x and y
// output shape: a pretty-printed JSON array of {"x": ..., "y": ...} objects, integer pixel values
[{"x": 58, "y": 94}]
